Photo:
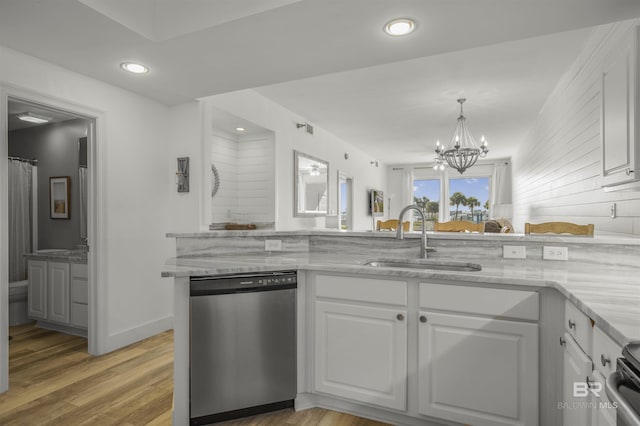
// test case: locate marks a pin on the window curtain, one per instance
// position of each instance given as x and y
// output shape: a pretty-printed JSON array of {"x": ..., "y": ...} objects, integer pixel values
[
  {"x": 501, "y": 202},
  {"x": 82, "y": 184},
  {"x": 20, "y": 187}
]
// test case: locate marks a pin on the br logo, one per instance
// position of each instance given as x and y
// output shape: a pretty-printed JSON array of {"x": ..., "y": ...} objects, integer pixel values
[{"x": 582, "y": 389}]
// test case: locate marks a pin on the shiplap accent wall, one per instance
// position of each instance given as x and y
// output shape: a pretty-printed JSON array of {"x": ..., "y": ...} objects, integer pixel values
[
  {"x": 247, "y": 181},
  {"x": 557, "y": 167}
]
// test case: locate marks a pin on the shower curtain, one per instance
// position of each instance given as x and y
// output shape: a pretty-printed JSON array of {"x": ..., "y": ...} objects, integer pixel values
[
  {"x": 82, "y": 184},
  {"x": 20, "y": 186}
]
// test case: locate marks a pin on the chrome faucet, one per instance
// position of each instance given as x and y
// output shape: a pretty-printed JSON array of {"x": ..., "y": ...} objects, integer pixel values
[{"x": 423, "y": 238}]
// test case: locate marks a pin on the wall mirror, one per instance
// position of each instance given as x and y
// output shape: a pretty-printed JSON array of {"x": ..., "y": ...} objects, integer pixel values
[{"x": 311, "y": 195}]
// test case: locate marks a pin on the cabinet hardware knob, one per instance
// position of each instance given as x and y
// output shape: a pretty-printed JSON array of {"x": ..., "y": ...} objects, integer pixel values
[
  {"x": 400, "y": 317},
  {"x": 572, "y": 324},
  {"x": 562, "y": 341},
  {"x": 588, "y": 381},
  {"x": 423, "y": 319},
  {"x": 604, "y": 360},
  {"x": 628, "y": 171}
]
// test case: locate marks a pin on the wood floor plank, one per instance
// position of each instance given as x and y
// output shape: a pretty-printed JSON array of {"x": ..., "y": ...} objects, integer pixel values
[{"x": 53, "y": 381}]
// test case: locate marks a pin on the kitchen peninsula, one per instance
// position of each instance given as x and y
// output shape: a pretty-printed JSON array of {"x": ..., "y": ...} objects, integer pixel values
[{"x": 513, "y": 310}]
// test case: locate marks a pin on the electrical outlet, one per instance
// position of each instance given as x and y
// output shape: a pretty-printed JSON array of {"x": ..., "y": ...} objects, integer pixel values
[
  {"x": 555, "y": 253},
  {"x": 514, "y": 252},
  {"x": 272, "y": 245}
]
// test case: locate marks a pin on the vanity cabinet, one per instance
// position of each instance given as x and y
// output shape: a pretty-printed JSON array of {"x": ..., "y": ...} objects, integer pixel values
[
  {"x": 619, "y": 137},
  {"x": 473, "y": 367},
  {"x": 79, "y": 312},
  {"x": 58, "y": 292},
  {"x": 57, "y": 295},
  {"x": 361, "y": 340},
  {"x": 37, "y": 290}
]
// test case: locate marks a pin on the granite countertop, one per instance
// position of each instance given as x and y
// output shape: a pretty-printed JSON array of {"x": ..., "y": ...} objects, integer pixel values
[
  {"x": 610, "y": 295},
  {"x": 504, "y": 238},
  {"x": 61, "y": 255}
]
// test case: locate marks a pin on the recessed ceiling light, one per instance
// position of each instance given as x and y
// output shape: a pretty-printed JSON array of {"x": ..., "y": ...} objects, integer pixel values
[
  {"x": 33, "y": 118},
  {"x": 240, "y": 129},
  {"x": 399, "y": 27},
  {"x": 134, "y": 68}
]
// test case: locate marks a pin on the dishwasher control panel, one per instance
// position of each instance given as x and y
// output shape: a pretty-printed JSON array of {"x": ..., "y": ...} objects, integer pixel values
[{"x": 259, "y": 281}]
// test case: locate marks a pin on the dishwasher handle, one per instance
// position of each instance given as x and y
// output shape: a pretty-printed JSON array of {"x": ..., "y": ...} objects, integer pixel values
[{"x": 624, "y": 410}]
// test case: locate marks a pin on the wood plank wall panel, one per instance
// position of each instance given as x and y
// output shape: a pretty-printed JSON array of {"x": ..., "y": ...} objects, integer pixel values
[
  {"x": 224, "y": 155},
  {"x": 247, "y": 178},
  {"x": 556, "y": 168}
]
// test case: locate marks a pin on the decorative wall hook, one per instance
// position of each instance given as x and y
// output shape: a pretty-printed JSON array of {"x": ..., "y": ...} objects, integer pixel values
[{"x": 182, "y": 174}]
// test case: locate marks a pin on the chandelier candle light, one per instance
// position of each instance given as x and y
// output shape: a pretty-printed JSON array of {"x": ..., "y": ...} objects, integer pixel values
[{"x": 462, "y": 152}]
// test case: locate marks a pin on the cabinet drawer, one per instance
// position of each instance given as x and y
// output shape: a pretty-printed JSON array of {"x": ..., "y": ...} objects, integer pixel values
[
  {"x": 578, "y": 325},
  {"x": 79, "y": 270},
  {"x": 605, "y": 352},
  {"x": 372, "y": 290},
  {"x": 79, "y": 315},
  {"x": 481, "y": 301},
  {"x": 79, "y": 291}
]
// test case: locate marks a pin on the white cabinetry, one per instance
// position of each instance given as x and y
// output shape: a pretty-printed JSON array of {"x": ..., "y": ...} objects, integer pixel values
[
  {"x": 361, "y": 348},
  {"x": 79, "y": 295},
  {"x": 58, "y": 292},
  {"x": 37, "y": 291},
  {"x": 478, "y": 370},
  {"x": 620, "y": 138},
  {"x": 589, "y": 357},
  {"x": 577, "y": 374},
  {"x": 57, "y": 295}
]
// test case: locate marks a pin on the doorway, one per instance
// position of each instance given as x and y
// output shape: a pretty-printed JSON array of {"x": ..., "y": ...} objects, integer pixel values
[
  {"x": 345, "y": 201},
  {"x": 51, "y": 151}
]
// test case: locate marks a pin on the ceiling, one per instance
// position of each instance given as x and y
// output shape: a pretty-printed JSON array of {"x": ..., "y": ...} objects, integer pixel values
[
  {"x": 15, "y": 108},
  {"x": 397, "y": 112},
  {"x": 345, "y": 74}
]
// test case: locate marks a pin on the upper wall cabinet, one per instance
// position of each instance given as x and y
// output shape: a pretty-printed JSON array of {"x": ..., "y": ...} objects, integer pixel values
[{"x": 620, "y": 142}]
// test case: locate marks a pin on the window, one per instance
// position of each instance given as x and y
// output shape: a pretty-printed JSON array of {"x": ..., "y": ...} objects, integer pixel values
[
  {"x": 426, "y": 195},
  {"x": 434, "y": 191},
  {"x": 469, "y": 198}
]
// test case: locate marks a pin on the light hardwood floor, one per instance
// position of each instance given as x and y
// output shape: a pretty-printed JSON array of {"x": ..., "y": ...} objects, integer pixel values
[{"x": 53, "y": 381}]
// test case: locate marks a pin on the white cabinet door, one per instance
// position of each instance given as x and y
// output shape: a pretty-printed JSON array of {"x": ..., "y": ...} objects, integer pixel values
[
  {"x": 58, "y": 292},
  {"x": 603, "y": 412},
  {"x": 37, "y": 293},
  {"x": 361, "y": 353},
  {"x": 619, "y": 139},
  {"x": 575, "y": 398},
  {"x": 478, "y": 371}
]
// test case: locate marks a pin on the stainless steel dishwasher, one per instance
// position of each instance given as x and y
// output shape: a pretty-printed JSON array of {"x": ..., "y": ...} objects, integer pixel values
[{"x": 242, "y": 345}]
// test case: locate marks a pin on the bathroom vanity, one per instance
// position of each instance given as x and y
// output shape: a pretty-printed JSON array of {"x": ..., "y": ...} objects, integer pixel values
[{"x": 58, "y": 290}]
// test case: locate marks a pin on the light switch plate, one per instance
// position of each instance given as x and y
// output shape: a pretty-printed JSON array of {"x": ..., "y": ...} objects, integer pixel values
[
  {"x": 272, "y": 245},
  {"x": 514, "y": 252},
  {"x": 555, "y": 253}
]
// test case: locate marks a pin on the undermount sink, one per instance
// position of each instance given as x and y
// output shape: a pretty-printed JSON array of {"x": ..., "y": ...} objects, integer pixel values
[{"x": 425, "y": 264}]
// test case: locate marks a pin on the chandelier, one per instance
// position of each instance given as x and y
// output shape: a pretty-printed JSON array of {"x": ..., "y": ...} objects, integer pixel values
[{"x": 462, "y": 152}]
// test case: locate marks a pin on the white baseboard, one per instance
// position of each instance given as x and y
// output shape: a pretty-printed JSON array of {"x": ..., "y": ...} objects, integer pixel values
[
  {"x": 307, "y": 400},
  {"x": 140, "y": 332}
]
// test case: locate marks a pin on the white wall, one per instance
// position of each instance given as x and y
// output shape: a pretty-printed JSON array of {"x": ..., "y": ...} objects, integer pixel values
[
  {"x": 132, "y": 199},
  {"x": 557, "y": 166},
  {"x": 253, "y": 107}
]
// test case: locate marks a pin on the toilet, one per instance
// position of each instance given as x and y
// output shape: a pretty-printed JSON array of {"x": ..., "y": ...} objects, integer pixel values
[{"x": 18, "y": 311}]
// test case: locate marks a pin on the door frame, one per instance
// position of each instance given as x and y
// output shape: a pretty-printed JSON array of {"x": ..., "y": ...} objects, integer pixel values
[{"x": 95, "y": 225}]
